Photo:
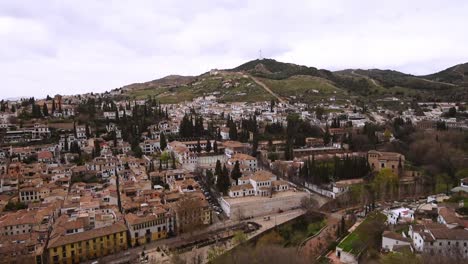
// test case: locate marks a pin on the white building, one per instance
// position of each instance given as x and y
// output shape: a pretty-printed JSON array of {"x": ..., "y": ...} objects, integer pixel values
[
  {"x": 393, "y": 241},
  {"x": 438, "y": 239},
  {"x": 399, "y": 215}
]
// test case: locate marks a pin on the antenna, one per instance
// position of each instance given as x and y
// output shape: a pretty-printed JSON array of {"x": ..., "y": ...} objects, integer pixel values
[{"x": 260, "y": 54}]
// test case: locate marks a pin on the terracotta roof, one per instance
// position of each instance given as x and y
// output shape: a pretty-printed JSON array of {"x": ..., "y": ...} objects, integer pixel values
[
  {"x": 396, "y": 236},
  {"x": 60, "y": 238},
  {"x": 262, "y": 176},
  {"x": 247, "y": 186}
]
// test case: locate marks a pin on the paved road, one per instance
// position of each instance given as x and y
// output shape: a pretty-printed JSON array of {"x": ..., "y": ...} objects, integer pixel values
[
  {"x": 274, "y": 220},
  {"x": 131, "y": 253}
]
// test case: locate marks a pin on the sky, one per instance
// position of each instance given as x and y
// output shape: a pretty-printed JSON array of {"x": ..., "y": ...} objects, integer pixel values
[{"x": 71, "y": 47}]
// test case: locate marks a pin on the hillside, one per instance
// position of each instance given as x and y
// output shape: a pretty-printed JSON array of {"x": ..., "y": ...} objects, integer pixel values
[
  {"x": 226, "y": 86},
  {"x": 168, "y": 81},
  {"x": 455, "y": 75},
  {"x": 308, "y": 84}
]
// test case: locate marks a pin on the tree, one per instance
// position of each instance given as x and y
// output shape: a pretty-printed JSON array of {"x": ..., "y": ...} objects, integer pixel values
[
  {"x": 210, "y": 180},
  {"x": 199, "y": 148},
  {"x": 65, "y": 144},
  {"x": 223, "y": 183},
  {"x": 215, "y": 147},
  {"x": 385, "y": 184},
  {"x": 97, "y": 149},
  {"x": 208, "y": 146},
  {"x": 255, "y": 145},
  {"x": 452, "y": 112},
  {"x": 233, "y": 131},
  {"x": 189, "y": 212},
  {"x": 236, "y": 172},
  {"x": 53, "y": 106},
  {"x": 88, "y": 133},
  {"x": 45, "y": 110},
  {"x": 173, "y": 162},
  {"x": 218, "y": 169},
  {"x": 162, "y": 141},
  {"x": 326, "y": 136},
  {"x": 272, "y": 104}
]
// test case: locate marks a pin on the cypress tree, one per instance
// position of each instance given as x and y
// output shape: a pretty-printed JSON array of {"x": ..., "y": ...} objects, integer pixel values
[
  {"x": 162, "y": 141},
  {"x": 208, "y": 146},
  {"x": 215, "y": 147},
  {"x": 199, "y": 148},
  {"x": 45, "y": 110},
  {"x": 236, "y": 172}
]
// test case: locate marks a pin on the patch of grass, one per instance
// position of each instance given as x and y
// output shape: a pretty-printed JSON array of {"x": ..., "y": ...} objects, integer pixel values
[
  {"x": 239, "y": 89},
  {"x": 355, "y": 241},
  {"x": 309, "y": 87}
]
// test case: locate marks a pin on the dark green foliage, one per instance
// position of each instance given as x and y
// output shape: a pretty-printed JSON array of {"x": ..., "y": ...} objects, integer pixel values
[
  {"x": 236, "y": 172},
  {"x": 223, "y": 183},
  {"x": 15, "y": 206},
  {"x": 208, "y": 146},
  {"x": 162, "y": 141}
]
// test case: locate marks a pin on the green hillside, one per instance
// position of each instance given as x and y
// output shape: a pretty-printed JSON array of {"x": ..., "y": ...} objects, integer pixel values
[
  {"x": 227, "y": 87},
  {"x": 307, "y": 84}
]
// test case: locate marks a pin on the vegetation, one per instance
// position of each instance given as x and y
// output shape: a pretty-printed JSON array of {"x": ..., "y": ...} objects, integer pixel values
[
  {"x": 15, "y": 206},
  {"x": 366, "y": 235}
]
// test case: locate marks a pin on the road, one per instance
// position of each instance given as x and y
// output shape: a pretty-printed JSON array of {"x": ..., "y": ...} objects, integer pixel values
[
  {"x": 151, "y": 249},
  {"x": 266, "y": 224}
]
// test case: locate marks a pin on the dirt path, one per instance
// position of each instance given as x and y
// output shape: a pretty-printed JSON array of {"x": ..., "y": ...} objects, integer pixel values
[
  {"x": 257, "y": 81},
  {"x": 366, "y": 77}
]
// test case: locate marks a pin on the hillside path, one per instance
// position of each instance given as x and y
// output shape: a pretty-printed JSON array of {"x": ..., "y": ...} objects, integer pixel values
[
  {"x": 264, "y": 86},
  {"x": 366, "y": 77}
]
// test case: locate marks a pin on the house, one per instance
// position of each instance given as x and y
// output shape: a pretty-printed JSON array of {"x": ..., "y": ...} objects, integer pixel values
[
  {"x": 45, "y": 156},
  {"x": 392, "y": 241},
  {"x": 448, "y": 217},
  {"x": 71, "y": 241},
  {"x": 399, "y": 215},
  {"x": 381, "y": 160},
  {"x": 261, "y": 183},
  {"x": 145, "y": 227},
  {"x": 438, "y": 239},
  {"x": 246, "y": 162}
]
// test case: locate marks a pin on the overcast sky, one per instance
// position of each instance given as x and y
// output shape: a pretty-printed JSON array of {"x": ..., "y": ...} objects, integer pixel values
[{"x": 70, "y": 47}]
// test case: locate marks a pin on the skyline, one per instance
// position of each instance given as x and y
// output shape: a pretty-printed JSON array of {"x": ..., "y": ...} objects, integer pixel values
[{"x": 71, "y": 48}]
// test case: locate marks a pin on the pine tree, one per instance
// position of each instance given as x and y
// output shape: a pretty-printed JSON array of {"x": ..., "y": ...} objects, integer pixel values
[{"x": 215, "y": 147}]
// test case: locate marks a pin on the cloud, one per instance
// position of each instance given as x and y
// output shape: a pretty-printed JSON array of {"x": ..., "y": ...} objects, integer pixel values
[{"x": 71, "y": 47}]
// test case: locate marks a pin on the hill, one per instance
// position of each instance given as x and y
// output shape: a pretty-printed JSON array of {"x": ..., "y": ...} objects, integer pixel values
[
  {"x": 264, "y": 79},
  {"x": 457, "y": 74},
  {"x": 168, "y": 81}
]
